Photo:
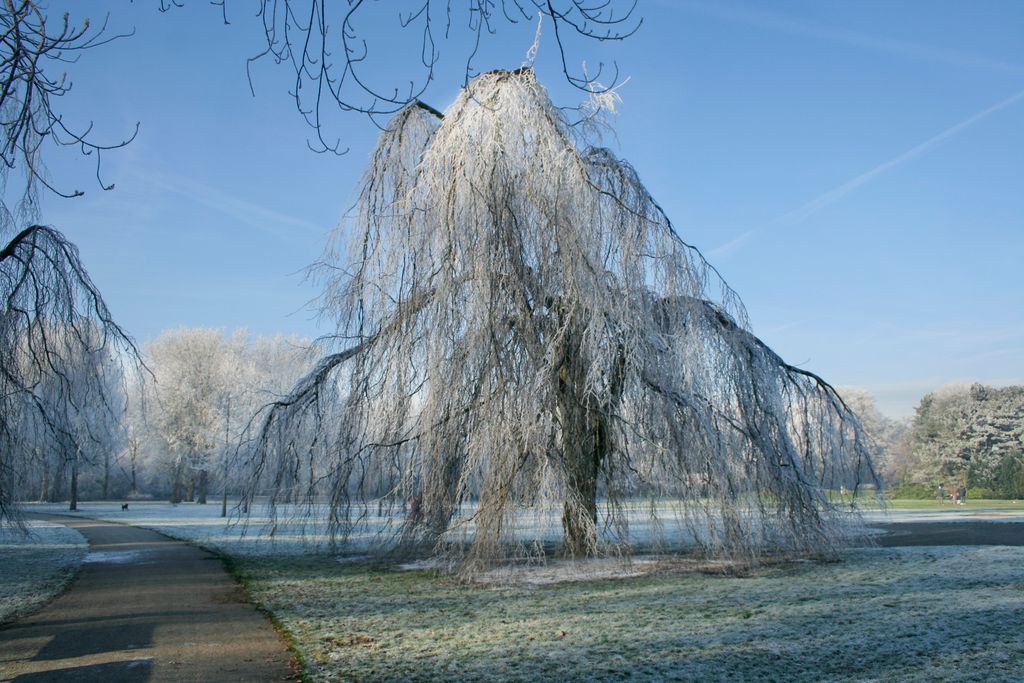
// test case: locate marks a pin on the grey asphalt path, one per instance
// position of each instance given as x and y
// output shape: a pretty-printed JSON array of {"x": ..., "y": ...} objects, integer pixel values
[
  {"x": 144, "y": 608},
  {"x": 950, "y": 533}
]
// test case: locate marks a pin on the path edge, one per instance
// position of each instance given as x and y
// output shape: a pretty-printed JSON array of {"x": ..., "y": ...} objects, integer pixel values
[{"x": 299, "y": 663}]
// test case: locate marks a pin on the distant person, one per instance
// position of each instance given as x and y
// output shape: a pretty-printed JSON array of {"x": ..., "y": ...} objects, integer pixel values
[
  {"x": 941, "y": 494},
  {"x": 962, "y": 492}
]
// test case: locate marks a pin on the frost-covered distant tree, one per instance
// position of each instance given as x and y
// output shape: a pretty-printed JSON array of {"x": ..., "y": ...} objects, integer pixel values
[
  {"x": 207, "y": 387},
  {"x": 193, "y": 371},
  {"x": 261, "y": 370},
  {"x": 521, "y": 327},
  {"x": 885, "y": 434},
  {"x": 973, "y": 435}
]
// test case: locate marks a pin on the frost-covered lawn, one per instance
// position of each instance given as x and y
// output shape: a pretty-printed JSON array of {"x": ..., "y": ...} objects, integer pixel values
[
  {"x": 36, "y": 567},
  {"x": 905, "y": 614},
  {"x": 932, "y": 614}
]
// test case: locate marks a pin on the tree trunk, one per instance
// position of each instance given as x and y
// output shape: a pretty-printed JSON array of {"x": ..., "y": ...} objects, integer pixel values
[
  {"x": 224, "y": 491},
  {"x": 439, "y": 495},
  {"x": 44, "y": 482},
  {"x": 584, "y": 447},
  {"x": 204, "y": 480},
  {"x": 106, "y": 474},
  {"x": 585, "y": 439},
  {"x": 579, "y": 449},
  {"x": 177, "y": 485},
  {"x": 224, "y": 457},
  {"x": 73, "y": 505},
  {"x": 135, "y": 487}
]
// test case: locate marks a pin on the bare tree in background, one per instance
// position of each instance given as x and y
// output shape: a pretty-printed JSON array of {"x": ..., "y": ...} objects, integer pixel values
[
  {"x": 885, "y": 434},
  {"x": 520, "y": 327}
]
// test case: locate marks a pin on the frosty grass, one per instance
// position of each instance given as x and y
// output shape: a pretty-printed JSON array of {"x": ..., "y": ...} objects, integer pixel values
[
  {"x": 36, "y": 567},
  {"x": 904, "y": 614}
]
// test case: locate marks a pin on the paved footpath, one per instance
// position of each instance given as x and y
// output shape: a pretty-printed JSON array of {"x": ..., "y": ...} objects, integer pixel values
[
  {"x": 144, "y": 607},
  {"x": 950, "y": 533}
]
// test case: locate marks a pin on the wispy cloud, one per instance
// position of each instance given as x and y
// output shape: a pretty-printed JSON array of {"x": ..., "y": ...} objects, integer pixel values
[
  {"x": 823, "y": 200},
  {"x": 782, "y": 23},
  {"x": 268, "y": 221}
]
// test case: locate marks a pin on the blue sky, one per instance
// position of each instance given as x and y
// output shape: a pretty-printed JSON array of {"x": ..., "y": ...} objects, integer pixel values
[{"x": 854, "y": 170}]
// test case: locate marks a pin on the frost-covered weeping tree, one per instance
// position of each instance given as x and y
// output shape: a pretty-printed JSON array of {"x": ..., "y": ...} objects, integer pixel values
[
  {"x": 60, "y": 356},
  {"x": 522, "y": 335}
]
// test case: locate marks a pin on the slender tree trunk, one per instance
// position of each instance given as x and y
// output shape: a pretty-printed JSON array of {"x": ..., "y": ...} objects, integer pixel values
[
  {"x": 224, "y": 484},
  {"x": 106, "y": 474},
  {"x": 135, "y": 487},
  {"x": 44, "y": 482},
  {"x": 224, "y": 489},
  {"x": 73, "y": 505}
]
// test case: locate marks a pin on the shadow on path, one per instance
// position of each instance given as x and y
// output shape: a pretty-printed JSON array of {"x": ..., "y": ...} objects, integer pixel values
[{"x": 143, "y": 608}]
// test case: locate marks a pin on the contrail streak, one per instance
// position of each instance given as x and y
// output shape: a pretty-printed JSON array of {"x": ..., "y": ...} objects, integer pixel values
[{"x": 821, "y": 201}]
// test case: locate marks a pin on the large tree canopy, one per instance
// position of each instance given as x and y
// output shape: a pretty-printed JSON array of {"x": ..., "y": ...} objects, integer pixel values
[
  {"x": 971, "y": 436},
  {"x": 522, "y": 335}
]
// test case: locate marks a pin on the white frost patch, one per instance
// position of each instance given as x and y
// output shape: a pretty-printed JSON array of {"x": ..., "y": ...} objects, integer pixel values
[
  {"x": 563, "y": 571},
  {"x": 344, "y": 559},
  {"x": 428, "y": 564},
  {"x": 114, "y": 556},
  {"x": 36, "y": 567}
]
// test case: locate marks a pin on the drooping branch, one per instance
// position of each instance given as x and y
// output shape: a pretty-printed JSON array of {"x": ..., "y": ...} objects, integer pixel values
[
  {"x": 336, "y": 63},
  {"x": 33, "y": 45}
]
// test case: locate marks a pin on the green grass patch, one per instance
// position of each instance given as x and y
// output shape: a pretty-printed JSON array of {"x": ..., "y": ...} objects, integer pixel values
[{"x": 971, "y": 504}]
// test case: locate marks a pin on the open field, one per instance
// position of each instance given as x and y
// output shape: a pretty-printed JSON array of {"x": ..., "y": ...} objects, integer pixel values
[{"x": 909, "y": 614}]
